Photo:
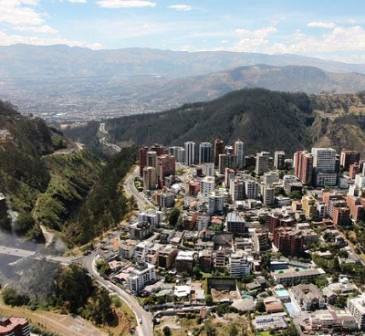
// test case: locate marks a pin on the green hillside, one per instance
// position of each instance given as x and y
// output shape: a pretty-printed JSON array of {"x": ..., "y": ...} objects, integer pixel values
[
  {"x": 265, "y": 120},
  {"x": 48, "y": 180}
]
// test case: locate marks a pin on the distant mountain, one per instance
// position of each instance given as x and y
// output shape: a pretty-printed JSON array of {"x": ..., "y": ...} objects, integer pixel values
[
  {"x": 265, "y": 120},
  {"x": 60, "y": 61},
  {"x": 290, "y": 78},
  {"x": 63, "y": 83}
]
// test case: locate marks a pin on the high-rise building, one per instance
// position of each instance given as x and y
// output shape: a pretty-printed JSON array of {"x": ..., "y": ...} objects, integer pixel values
[
  {"x": 218, "y": 149},
  {"x": 239, "y": 266},
  {"x": 226, "y": 161},
  {"x": 142, "y": 159},
  {"x": 303, "y": 166},
  {"x": 208, "y": 169},
  {"x": 288, "y": 241},
  {"x": 309, "y": 207},
  {"x": 356, "y": 307},
  {"x": 349, "y": 157},
  {"x": 325, "y": 166},
  {"x": 268, "y": 196},
  {"x": 207, "y": 186},
  {"x": 205, "y": 152},
  {"x": 189, "y": 153},
  {"x": 324, "y": 159},
  {"x": 165, "y": 167},
  {"x": 279, "y": 160},
  {"x": 270, "y": 177},
  {"x": 151, "y": 159},
  {"x": 239, "y": 151},
  {"x": 178, "y": 152},
  {"x": 215, "y": 203},
  {"x": 262, "y": 163},
  {"x": 251, "y": 189},
  {"x": 149, "y": 178},
  {"x": 237, "y": 189}
]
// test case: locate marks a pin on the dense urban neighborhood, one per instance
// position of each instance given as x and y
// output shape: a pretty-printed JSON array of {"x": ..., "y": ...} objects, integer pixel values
[{"x": 253, "y": 244}]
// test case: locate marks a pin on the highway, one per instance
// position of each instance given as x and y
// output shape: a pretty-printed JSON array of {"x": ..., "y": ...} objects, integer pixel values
[
  {"x": 131, "y": 190},
  {"x": 143, "y": 318}
]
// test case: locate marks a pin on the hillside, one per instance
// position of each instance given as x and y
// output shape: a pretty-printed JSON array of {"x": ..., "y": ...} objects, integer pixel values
[
  {"x": 289, "y": 78},
  {"x": 47, "y": 179},
  {"x": 59, "y": 83},
  {"x": 265, "y": 120}
]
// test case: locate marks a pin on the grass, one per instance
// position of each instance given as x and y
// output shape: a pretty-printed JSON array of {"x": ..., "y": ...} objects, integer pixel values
[{"x": 60, "y": 324}]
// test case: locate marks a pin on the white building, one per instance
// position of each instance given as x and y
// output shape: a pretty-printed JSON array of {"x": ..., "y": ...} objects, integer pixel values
[
  {"x": 251, "y": 189},
  {"x": 208, "y": 169},
  {"x": 237, "y": 189},
  {"x": 356, "y": 307},
  {"x": 207, "y": 186},
  {"x": 239, "y": 266},
  {"x": 324, "y": 159},
  {"x": 140, "y": 276},
  {"x": 270, "y": 177},
  {"x": 178, "y": 152},
  {"x": 279, "y": 160}
]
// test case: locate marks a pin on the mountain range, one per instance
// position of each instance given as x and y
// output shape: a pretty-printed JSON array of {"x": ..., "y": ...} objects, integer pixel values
[
  {"x": 263, "y": 119},
  {"x": 61, "y": 83}
]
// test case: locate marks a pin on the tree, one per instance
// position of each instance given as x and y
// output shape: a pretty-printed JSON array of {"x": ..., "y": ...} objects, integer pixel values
[
  {"x": 321, "y": 281},
  {"x": 209, "y": 300},
  {"x": 103, "y": 267},
  {"x": 197, "y": 273},
  {"x": 174, "y": 217},
  {"x": 260, "y": 307},
  {"x": 24, "y": 223},
  {"x": 296, "y": 194},
  {"x": 99, "y": 308},
  {"x": 166, "y": 331},
  {"x": 73, "y": 288},
  {"x": 12, "y": 298}
]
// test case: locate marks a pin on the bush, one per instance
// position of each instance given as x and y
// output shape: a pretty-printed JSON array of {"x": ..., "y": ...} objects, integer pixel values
[{"x": 12, "y": 298}]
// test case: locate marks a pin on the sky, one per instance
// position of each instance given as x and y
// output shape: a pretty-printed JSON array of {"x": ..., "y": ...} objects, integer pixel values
[{"x": 331, "y": 29}]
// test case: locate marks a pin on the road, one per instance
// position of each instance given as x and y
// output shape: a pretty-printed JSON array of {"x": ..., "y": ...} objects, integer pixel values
[
  {"x": 103, "y": 135},
  {"x": 131, "y": 190},
  {"x": 21, "y": 253},
  {"x": 143, "y": 318}
]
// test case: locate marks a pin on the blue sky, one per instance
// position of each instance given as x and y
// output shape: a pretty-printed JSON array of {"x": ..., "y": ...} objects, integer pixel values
[{"x": 329, "y": 29}]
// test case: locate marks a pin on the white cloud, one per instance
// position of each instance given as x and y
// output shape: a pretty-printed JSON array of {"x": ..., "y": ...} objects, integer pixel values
[
  {"x": 340, "y": 42},
  {"x": 77, "y": 1},
  {"x": 321, "y": 24},
  {"x": 126, "y": 3},
  {"x": 181, "y": 7},
  {"x": 20, "y": 12},
  {"x": 254, "y": 40},
  {"x": 9, "y": 39}
]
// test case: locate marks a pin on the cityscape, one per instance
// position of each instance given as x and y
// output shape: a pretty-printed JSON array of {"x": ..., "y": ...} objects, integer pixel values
[
  {"x": 269, "y": 238},
  {"x": 182, "y": 168}
]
